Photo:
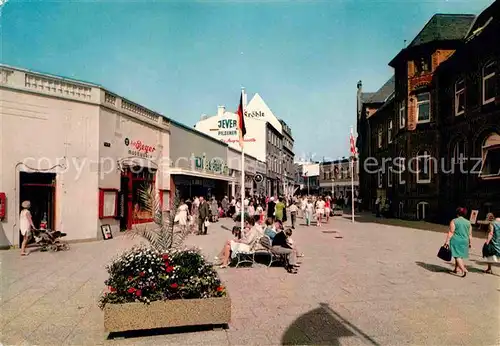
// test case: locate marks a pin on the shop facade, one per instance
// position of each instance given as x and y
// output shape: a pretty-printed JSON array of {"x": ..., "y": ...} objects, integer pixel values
[
  {"x": 198, "y": 164},
  {"x": 79, "y": 153}
]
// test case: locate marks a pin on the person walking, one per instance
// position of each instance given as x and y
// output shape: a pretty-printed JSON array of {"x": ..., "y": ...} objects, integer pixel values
[
  {"x": 320, "y": 210},
  {"x": 182, "y": 215},
  {"x": 293, "y": 213},
  {"x": 493, "y": 243},
  {"x": 279, "y": 209},
  {"x": 25, "y": 225},
  {"x": 204, "y": 215},
  {"x": 271, "y": 208},
  {"x": 459, "y": 240},
  {"x": 309, "y": 212},
  {"x": 214, "y": 209}
]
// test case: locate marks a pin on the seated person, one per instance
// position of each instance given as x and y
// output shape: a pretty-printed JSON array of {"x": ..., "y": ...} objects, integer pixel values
[
  {"x": 281, "y": 247},
  {"x": 245, "y": 244},
  {"x": 258, "y": 225},
  {"x": 269, "y": 230},
  {"x": 236, "y": 232}
]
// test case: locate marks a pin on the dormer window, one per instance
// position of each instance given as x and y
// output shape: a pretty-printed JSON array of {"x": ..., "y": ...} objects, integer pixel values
[{"x": 423, "y": 65}]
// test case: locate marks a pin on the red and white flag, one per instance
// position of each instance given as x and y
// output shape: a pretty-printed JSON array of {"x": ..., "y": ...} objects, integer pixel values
[{"x": 354, "y": 151}]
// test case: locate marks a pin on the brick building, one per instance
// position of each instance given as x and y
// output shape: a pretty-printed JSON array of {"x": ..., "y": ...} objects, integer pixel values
[{"x": 445, "y": 106}]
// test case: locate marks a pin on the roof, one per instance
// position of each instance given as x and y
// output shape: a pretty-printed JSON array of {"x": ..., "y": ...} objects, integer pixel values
[
  {"x": 444, "y": 27},
  {"x": 366, "y": 96},
  {"x": 382, "y": 94},
  {"x": 441, "y": 27}
]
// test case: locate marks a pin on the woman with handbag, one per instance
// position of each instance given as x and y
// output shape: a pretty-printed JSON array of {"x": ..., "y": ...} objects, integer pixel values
[
  {"x": 491, "y": 249},
  {"x": 459, "y": 240}
]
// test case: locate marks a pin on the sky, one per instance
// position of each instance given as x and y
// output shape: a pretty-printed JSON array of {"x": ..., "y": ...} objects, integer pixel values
[{"x": 184, "y": 58}]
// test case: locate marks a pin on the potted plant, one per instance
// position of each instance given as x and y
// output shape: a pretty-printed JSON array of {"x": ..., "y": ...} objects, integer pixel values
[{"x": 159, "y": 285}]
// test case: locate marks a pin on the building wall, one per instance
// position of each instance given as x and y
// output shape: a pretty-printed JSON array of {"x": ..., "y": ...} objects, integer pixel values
[
  {"x": 186, "y": 143},
  {"x": 223, "y": 127},
  {"x": 51, "y": 131}
]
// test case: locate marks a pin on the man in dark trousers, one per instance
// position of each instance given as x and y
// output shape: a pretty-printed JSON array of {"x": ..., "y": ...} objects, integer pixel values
[{"x": 204, "y": 215}]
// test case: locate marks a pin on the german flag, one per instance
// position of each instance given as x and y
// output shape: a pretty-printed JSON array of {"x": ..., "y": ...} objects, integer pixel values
[{"x": 241, "y": 121}]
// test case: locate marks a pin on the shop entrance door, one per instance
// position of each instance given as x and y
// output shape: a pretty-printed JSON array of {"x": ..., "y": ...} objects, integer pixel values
[
  {"x": 134, "y": 181},
  {"x": 40, "y": 190}
]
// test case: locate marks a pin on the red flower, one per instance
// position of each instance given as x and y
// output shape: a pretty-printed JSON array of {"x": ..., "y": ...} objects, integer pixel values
[
  {"x": 169, "y": 269},
  {"x": 130, "y": 278},
  {"x": 174, "y": 285},
  {"x": 165, "y": 257},
  {"x": 138, "y": 293},
  {"x": 131, "y": 290},
  {"x": 141, "y": 274},
  {"x": 220, "y": 288},
  {"x": 112, "y": 289}
]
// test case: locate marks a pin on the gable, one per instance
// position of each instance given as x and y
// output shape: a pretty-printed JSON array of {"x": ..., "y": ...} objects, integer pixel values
[{"x": 257, "y": 109}]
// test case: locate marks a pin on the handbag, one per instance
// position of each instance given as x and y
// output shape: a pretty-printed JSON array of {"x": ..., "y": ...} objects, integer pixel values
[
  {"x": 487, "y": 251},
  {"x": 207, "y": 223},
  {"x": 445, "y": 253}
]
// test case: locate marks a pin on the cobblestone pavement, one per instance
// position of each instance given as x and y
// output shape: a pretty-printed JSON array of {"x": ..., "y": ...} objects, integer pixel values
[{"x": 359, "y": 284}]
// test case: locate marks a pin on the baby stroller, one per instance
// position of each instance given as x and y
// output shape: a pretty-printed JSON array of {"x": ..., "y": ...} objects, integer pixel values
[{"x": 50, "y": 240}]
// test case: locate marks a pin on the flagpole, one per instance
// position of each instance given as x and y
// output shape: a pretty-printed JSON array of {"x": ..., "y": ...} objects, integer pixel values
[
  {"x": 352, "y": 179},
  {"x": 242, "y": 190}
]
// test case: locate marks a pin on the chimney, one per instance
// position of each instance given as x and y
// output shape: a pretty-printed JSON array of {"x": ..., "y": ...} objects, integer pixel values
[{"x": 221, "y": 110}]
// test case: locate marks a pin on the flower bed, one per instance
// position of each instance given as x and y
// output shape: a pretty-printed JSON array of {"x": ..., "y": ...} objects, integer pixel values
[{"x": 144, "y": 275}]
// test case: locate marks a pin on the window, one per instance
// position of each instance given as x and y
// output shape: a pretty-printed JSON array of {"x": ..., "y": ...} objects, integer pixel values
[
  {"x": 459, "y": 152},
  {"x": 401, "y": 163},
  {"x": 389, "y": 132},
  {"x": 423, "y": 108},
  {"x": 379, "y": 137},
  {"x": 491, "y": 157},
  {"x": 269, "y": 135},
  {"x": 389, "y": 176},
  {"x": 460, "y": 97},
  {"x": 423, "y": 168},
  {"x": 423, "y": 65},
  {"x": 422, "y": 208},
  {"x": 402, "y": 115},
  {"x": 380, "y": 178},
  {"x": 489, "y": 71}
]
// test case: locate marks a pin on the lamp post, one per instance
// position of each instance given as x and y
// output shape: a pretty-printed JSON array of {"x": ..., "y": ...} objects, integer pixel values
[{"x": 333, "y": 187}]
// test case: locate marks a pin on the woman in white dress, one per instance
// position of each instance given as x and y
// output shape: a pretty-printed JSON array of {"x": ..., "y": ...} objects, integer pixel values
[
  {"x": 182, "y": 214},
  {"x": 320, "y": 210},
  {"x": 25, "y": 225}
]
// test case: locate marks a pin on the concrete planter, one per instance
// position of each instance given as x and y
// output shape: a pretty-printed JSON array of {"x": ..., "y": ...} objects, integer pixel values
[{"x": 167, "y": 313}]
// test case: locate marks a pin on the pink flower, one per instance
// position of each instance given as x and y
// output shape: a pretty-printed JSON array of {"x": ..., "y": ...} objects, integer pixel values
[{"x": 174, "y": 285}]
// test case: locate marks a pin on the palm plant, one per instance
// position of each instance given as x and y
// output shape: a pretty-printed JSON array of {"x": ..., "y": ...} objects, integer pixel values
[{"x": 162, "y": 234}]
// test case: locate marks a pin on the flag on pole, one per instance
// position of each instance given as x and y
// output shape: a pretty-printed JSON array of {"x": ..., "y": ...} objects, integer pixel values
[
  {"x": 353, "y": 144},
  {"x": 241, "y": 121}
]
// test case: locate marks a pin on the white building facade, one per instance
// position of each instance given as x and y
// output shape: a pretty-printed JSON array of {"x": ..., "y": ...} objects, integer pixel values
[
  {"x": 79, "y": 153},
  {"x": 263, "y": 140}
]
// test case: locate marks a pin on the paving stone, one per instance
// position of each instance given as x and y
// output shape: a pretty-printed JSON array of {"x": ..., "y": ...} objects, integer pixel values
[{"x": 379, "y": 284}]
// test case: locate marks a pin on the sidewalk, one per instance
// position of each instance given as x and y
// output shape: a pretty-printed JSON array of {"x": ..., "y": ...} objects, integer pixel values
[
  {"x": 359, "y": 284},
  {"x": 367, "y": 217}
]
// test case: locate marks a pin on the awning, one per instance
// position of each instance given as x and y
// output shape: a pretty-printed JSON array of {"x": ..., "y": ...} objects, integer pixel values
[
  {"x": 137, "y": 161},
  {"x": 200, "y": 174}
]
